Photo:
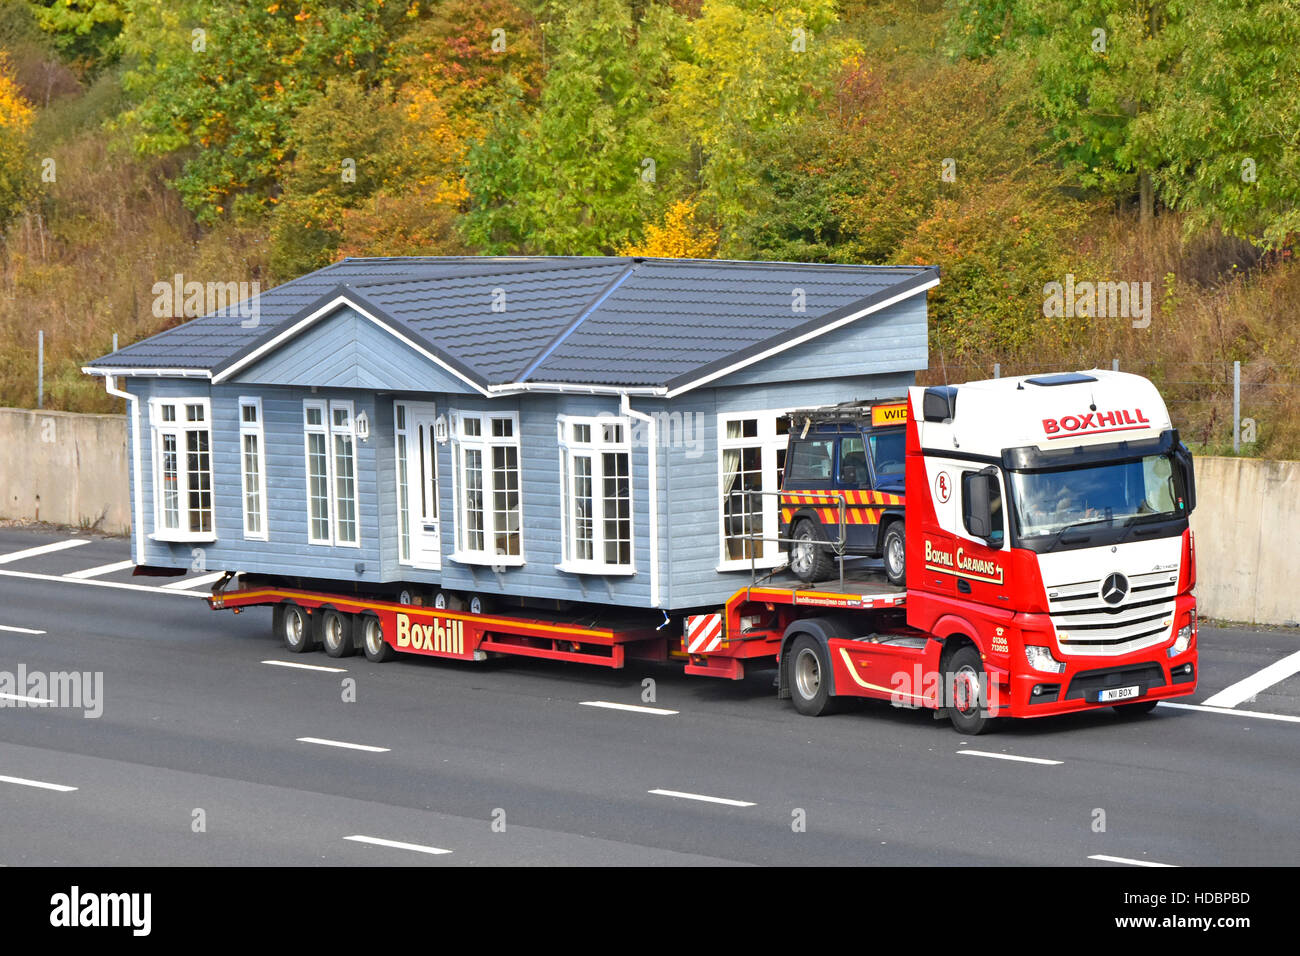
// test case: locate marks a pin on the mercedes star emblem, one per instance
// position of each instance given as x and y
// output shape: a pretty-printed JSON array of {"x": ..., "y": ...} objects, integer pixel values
[{"x": 1114, "y": 588}]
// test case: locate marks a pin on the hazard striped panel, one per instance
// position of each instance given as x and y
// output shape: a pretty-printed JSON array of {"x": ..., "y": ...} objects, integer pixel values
[
  {"x": 703, "y": 633},
  {"x": 860, "y": 507}
]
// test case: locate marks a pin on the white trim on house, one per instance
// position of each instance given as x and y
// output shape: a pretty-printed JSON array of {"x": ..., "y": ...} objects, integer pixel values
[
  {"x": 253, "y": 429},
  {"x": 179, "y": 428},
  {"x": 484, "y": 442},
  {"x": 603, "y": 435},
  {"x": 137, "y": 517},
  {"x": 137, "y": 372},
  {"x": 325, "y": 310}
]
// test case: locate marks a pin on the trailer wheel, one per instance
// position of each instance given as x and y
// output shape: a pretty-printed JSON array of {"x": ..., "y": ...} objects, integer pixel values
[
  {"x": 895, "y": 554},
  {"x": 292, "y": 625},
  {"x": 478, "y": 605},
  {"x": 372, "y": 641},
  {"x": 448, "y": 601},
  {"x": 965, "y": 693},
  {"x": 336, "y": 632},
  {"x": 809, "y": 672},
  {"x": 405, "y": 596},
  {"x": 810, "y": 556},
  {"x": 1137, "y": 708}
]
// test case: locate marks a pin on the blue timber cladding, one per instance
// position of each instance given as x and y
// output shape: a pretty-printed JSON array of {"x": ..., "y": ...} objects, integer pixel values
[{"x": 707, "y": 338}]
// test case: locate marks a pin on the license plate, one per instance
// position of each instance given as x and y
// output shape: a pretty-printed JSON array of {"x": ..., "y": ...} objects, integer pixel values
[{"x": 1118, "y": 693}]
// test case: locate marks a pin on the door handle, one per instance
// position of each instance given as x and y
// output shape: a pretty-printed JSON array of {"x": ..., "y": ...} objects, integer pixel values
[{"x": 963, "y": 586}]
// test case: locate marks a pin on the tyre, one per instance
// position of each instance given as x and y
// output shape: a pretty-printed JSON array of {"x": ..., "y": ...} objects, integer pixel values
[
  {"x": 809, "y": 671},
  {"x": 377, "y": 650},
  {"x": 965, "y": 690},
  {"x": 448, "y": 601},
  {"x": 478, "y": 605},
  {"x": 336, "y": 632},
  {"x": 894, "y": 554},
  {"x": 406, "y": 596},
  {"x": 1137, "y": 708},
  {"x": 810, "y": 555},
  {"x": 292, "y": 625}
]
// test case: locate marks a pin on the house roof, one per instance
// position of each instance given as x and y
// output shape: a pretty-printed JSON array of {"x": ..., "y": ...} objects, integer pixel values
[{"x": 580, "y": 321}]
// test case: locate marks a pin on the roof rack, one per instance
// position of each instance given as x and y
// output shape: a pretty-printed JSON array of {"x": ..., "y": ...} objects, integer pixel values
[{"x": 851, "y": 412}]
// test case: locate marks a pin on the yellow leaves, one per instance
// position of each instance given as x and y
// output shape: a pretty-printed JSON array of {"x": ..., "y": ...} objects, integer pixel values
[
  {"x": 680, "y": 236},
  {"x": 15, "y": 112}
]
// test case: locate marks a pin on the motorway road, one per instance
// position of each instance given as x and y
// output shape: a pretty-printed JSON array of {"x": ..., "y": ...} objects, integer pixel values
[{"x": 197, "y": 728}]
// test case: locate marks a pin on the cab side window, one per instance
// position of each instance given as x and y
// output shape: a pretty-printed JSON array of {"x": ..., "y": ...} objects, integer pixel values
[
  {"x": 853, "y": 463},
  {"x": 810, "y": 461}
]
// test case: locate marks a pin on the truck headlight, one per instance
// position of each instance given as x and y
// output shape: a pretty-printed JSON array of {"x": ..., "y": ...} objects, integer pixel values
[
  {"x": 1041, "y": 659},
  {"x": 1182, "y": 641}
]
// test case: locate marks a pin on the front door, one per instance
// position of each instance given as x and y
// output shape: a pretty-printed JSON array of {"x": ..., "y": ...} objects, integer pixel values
[{"x": 417, "y": 477}]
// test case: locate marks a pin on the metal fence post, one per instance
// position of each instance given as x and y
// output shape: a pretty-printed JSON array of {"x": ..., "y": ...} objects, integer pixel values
[
  {"x": 1236, "y": 407},
  {"x": 114, "y": 341},
  {"x": 1114, "y": 365},
  {"x": 997, "y": 369},
  {"x": 40, "y": 368}
]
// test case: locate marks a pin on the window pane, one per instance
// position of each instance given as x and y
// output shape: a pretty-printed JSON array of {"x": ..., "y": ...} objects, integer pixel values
[
  {"x": 252, "y": 486},
  {"x": 582, "y": 509},
  {"x": 811, "y": 461},
  {"x": 318, "y": 501},
  {"x": 505, "y": 499},
  {"x": 194, "y": 413},
  {"x": 168, "y": 413},
  {"x": 582, "y": 433},
  {"x": 502, "y": 428},
  {"x": 473, "y": 499},
  {"x": 340, "y": 417},
  {"x": 248, "y": 413},
  {"x": 314, "y": 416},
  {"x": 171, "y": 495},
  {"x": 613, "y": 434},
  {"x": 198, "y": 468},
  {"x": 742, "y": 512},
  {"x": 473, "y": 427},
  {"x": 345, "y": 489},
  {"x": 618, "y": 508},
  {"x": 403, "y": 504}
]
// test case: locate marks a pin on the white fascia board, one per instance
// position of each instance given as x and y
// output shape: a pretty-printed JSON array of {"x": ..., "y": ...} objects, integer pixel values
[
  {"x": 511, "y": 388},
  {"x": 806, "y": 337},
  {"x": 324, "y": 310},
  {"x": 141, "y": 372}
]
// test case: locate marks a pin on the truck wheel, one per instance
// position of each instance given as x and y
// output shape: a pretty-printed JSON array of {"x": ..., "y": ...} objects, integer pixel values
[
  {"x": 810, "y": 557},
  {"x": 1137, "y": 708},
  {"x": 965, "y": 694},
  {"x": 809, "y": 671},
  {"x": 895, "y": 554},
  {"x": 336, "y": 633},
  {"x": 372, "y": 641},
  {"x": 292, "y": 625}
]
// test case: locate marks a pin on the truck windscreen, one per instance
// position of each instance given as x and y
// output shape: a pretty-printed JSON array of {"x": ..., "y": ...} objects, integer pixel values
[{"x": 1108, "y": 494}]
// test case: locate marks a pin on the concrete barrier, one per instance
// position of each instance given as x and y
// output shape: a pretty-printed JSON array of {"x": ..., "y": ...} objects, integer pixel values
[
  {"x": 1247, "y": 523},
  {"x": 65, "y": 468}
]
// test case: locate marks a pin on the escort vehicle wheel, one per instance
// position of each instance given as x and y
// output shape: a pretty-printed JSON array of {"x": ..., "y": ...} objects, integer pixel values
[
  {"x": 809, "y": 674},
  {"x": 895, "y": 554},
  {"x": 372, "y": 641},
  {"x": 336, "y": 633},
  {"x": 965, "y": 693},
  {"x": 293, "y": 626},
  {"x": 810, "y": 557},
  {"x": 1137, "y": 708}
]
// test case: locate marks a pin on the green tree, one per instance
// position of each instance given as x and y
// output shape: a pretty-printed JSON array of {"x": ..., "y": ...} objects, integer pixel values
[
  {"x": 579, "y": 174},
  {"x": 87, "y": 33},
  {"x": 15, "y": 125}
]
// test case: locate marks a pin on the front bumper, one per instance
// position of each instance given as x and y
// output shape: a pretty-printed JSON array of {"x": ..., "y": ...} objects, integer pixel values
[{"x": 1156, "y": 676}]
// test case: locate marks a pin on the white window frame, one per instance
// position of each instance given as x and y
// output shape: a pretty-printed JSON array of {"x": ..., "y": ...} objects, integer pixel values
[
  {"x": 484, "y": 443},
  {"x": 595, "y": 448},
  {"x": 254, "y": 429},
  {"x": 771, "y": 443},
  {"x": 329, "y": 430},
  {"x": 179, "y": 428}
]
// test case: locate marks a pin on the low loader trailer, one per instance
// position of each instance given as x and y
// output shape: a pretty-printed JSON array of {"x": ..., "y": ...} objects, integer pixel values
[{"x": 1049, "y": 570}]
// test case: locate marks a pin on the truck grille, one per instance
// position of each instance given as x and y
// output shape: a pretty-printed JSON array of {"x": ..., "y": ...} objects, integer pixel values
[{"x": 1085, "y": 624}]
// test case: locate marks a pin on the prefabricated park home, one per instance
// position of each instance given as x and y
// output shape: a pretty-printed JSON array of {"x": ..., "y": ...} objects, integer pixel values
[{"x": 546, "y": 428}]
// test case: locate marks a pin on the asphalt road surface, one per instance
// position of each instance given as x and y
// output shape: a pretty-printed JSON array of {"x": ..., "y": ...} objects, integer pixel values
[{"x": 208, "y": 752}]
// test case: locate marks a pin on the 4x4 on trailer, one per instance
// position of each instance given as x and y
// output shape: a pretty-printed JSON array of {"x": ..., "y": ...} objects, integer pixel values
[{"x": 844, "y": 467}]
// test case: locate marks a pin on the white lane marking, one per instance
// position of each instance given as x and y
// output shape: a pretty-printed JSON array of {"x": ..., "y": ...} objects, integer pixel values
[
  {"x": 19, "y": 630},
  {"x": 986, "y": 753},
  {"x": 308, "y": 667},
  {"x": 34, "y": 576},
  {"x": 397, "y": 844},
  {"x": 1120, "y": 859},
  {"x": 699, "y": 796},
  {"x": 1261, "y": 680},
  {"x": 43, "y": 549},
  {"x": 1232, "y": 712},
  {"x": 198, "y": 582},
  {"x": 633, "y": 708},
  {"x": 39, "y": 784},
  {"x": 26, "y": 700},
  {"x": 342, "y": 743},
  {"x": 102, "y": 569}
]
